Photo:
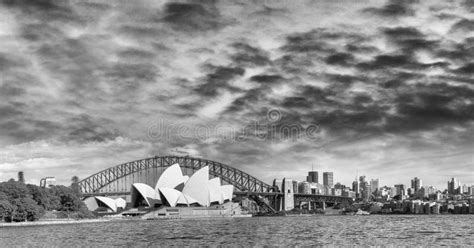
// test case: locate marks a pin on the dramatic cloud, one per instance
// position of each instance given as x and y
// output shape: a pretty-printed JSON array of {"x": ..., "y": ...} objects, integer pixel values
[{"x": 379, "y": 88}]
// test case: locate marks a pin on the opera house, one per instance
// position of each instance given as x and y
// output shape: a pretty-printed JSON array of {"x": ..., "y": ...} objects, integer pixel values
[
  {"x": 177, "y": 195},
  {"x": 111, "y": 205}
]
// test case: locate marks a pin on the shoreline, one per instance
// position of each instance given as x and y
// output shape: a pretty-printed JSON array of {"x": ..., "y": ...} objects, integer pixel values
[{"x": 52, "y": 222}]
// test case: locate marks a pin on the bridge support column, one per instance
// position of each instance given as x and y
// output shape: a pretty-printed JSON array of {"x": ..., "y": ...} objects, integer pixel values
[
  {"x": 323, "y": 205},
  {"x": 309, "y": 205}
]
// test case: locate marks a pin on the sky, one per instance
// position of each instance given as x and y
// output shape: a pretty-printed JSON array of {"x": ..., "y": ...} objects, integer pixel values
[{"x": 274, "y": 88}]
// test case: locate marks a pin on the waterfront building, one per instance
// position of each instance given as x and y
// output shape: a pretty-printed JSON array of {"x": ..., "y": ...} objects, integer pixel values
[
  {"x": 400, "y": 190},
  {"x": 422, "y": 193},
  {"x": 453, "y": 186},
  {"x": 304, "y": 188},
  {"x": 174, "y": 189},
  {"x": 110, "y": 205},
  {"x": 328, "y": 178},
  {"x": 416, "y": 184},
  {"x": 312, "y": 177},
  {"x": 464, "y": 189},
  {"x": 411, "y": 191},
  {"x": 374, "y": 185},
  {"x": 470, "y": 190},
  {"x": 47, "y": 182},
  {"x": 355, "y": 186},
  {"x": 336, "y": 192}
]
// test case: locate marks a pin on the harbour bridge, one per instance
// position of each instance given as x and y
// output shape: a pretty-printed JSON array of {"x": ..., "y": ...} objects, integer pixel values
[{"x": 117, "y": 180}]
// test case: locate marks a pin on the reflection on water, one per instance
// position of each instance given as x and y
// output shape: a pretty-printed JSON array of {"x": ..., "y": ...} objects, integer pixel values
[{"x": 317, "y": 230}]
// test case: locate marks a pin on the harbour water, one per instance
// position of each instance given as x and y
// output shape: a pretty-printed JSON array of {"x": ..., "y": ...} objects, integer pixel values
[{"x": 281, "y": 231}]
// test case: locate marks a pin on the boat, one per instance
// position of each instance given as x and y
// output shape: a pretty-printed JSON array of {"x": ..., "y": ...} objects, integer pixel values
[{"x": 361, "y": 212}]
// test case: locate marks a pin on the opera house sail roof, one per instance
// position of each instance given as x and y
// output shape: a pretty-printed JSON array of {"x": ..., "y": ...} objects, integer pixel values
[{"x": 173, "y": 189}]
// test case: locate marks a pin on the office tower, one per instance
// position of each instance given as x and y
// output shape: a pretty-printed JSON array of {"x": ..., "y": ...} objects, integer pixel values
[
  {"x": 312, "y": 177},
  {"x": 328, "y": 178},
  {"x": 400, "y": 189},
  {"x": 374, "y": 185},
  {"x": 21, "y": 177},
  {"x": 416, "y": 184},
  {"x": 453, "y": 186},
  {"x": 355, "y": 186}
]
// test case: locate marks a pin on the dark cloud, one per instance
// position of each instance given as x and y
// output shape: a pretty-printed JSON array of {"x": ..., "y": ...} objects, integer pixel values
[
  {"x": 409, "y": 39},
  {"x": 429, "y": 106},
  {"x": 466, "y": 69},
  {"x": 219, "y": 79},
  {"x": 85, "y": 128},
  {"x": 193, "y": 17},
  {"x": 136, "y": 54},
  {"x": 9, "y": 62},
  {"x": 307, "y": 42},
  {"x": 462, "y": 51},
  {"x": 464, "y": 25},
  {"x": 393, "y": 9},
  {"x": 356, "y": 48},
  {"x": 247, "y": 101},
  {"x": 8, "y": 90},
  {"x": 248, "y": 55},
  {"x": 7, "y": 111},
  {"x": 390, "y": 61},
  {"x": 342, "y": 59},
  {"x": 266, "y": 78},
  {"x": 125, "y": 76},
  {"x": 45, "y": 10}
]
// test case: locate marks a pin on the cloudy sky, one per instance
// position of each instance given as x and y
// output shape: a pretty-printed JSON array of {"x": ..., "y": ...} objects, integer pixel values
[{"x": 384, "y": 89}]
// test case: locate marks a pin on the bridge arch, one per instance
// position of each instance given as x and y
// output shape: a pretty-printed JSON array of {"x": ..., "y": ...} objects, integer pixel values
[{"x": 242, "y": 181}]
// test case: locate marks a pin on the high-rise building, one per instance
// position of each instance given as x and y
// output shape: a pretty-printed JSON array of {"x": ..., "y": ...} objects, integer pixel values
[
  {"x": 416, "y": 184},
  {"x": 400, "y": 189},
  {"x": 21, "y": 177},
  {"x": 328, "y": 178},
  {"x": 355, "y": 186},
  {"x": 374, "y": 185},
  {"x": 453, "y": 186},
  {"x": 464, "y": 189},
  {"x": 470, "y": 190},
  {"x": 312, "y": 177}
]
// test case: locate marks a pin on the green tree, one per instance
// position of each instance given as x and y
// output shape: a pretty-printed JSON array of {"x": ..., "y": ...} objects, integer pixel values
[{"x": 6, "y": 209}]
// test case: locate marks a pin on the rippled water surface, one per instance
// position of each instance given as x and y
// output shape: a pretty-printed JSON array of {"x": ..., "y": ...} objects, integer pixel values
[{"x": 314, "y": 230}]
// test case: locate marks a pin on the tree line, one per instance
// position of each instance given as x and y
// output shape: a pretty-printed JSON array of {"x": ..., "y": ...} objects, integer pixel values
[{"x": 28, "y": 202}]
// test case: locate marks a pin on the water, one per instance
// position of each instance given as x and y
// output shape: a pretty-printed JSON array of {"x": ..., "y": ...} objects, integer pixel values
[{"x": 281, "y": 231}]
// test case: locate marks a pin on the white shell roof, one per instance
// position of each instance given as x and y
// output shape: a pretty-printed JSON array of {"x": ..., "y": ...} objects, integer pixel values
[
  {"x": 197, "y": 186},
  {"x": 215, "y": 191},
  {"x": 171, "y": 195},
  {"x": 170, "y": 178},
  {"x": 227, "y": 191},
  {"x": 91, "y": 203},
  {"x": 120, "y": 203},
  {"x": 109, "y": 202},
  {"x": 146, "y": 192}
]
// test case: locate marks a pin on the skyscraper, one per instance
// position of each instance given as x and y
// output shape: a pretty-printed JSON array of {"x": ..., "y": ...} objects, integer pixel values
[
  {"x": 312, "y": 177},
  {"x": 21, "y": 177},
  {"x": 453, "y": 186},
  {"x": 374, "y": 185},
  {"x": 400, "y": 189},
  {"x": 355, "y": 186},
  {"x": 416, "y": 184},
  {"x": 328, "y": 178}
]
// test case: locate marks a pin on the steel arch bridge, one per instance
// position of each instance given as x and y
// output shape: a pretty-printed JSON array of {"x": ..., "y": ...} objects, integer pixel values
[{"x": 241, "y": 180}]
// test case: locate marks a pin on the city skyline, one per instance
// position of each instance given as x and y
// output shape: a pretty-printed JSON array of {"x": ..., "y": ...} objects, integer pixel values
[{"x": 382, "y": 89}]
